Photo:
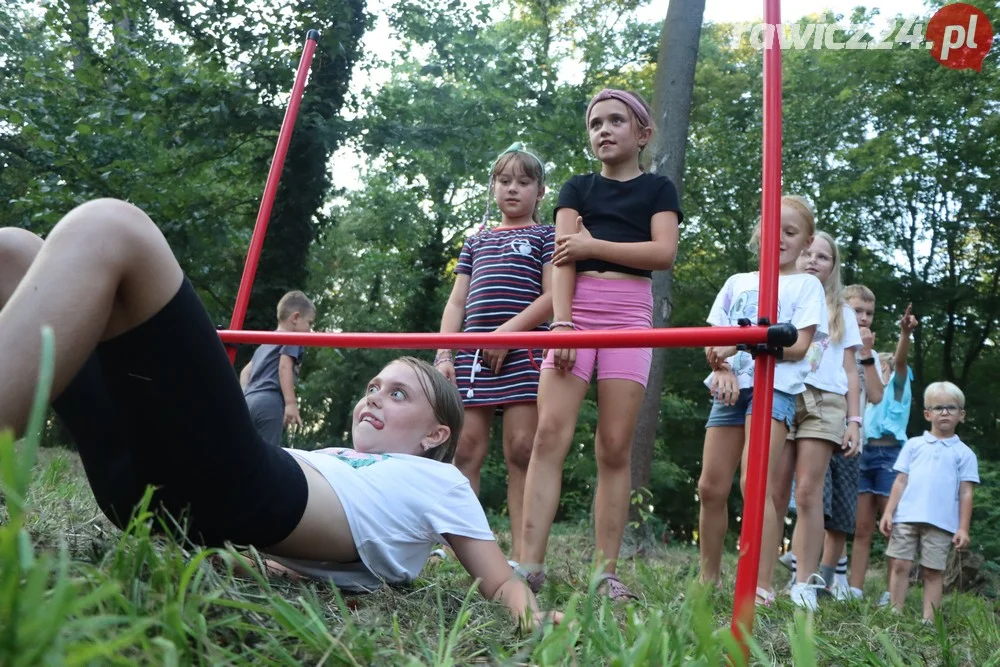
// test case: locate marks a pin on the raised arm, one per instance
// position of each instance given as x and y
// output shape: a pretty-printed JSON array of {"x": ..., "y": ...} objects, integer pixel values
[{"x": 906, "y": 326}]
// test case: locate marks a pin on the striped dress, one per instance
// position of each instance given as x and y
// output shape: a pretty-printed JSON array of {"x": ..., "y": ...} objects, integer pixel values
[{"x": 505, "y": 266}]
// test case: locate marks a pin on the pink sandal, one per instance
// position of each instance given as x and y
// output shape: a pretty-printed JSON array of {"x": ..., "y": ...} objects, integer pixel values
[{"x": 615, "y": 589}]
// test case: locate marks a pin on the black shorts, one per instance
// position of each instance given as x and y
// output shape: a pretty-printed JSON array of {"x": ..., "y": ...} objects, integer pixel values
[{"x": 161, "y": 405}]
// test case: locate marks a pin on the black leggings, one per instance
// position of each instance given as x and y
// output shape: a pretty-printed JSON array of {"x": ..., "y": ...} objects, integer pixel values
[{"x": 161, "y": 405}]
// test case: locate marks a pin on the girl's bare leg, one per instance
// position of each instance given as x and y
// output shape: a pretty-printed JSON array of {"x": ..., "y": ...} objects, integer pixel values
[
  {"x": 933, "y": 591},
  {"x": 719, "y": 460},
  {"x": 807, "y": 540},
  {"x": 474, "y": 443},
  {"x": 618, "y": 403},
  {"x": 103, "y": 270},
  {"x": 770, "y": 532},
  {"x": 559, "y": 397},
  {"x": 520, "y": 420}
]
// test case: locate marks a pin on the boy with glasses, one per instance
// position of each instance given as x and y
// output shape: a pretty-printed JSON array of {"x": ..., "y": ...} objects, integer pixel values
[{"x": 931, "y": 499}]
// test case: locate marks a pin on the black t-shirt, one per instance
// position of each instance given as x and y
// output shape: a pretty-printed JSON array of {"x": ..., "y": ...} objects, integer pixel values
[{"x": 618, "y": 211}]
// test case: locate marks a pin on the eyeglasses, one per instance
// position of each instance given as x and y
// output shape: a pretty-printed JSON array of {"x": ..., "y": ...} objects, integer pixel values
[{"x": 944, "y": 409}]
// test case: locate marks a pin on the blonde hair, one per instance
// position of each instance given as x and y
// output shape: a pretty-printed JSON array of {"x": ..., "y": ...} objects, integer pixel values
[
  {"x": 523, "y": 162},
  {"x": 801, "y": 206},
  {"x": 948, "y": 389},
  {"x": 834, "y": 291},
  {"x": 859, "y": 291},
  {"x": 444, "y": 400},
  {"x": 294, "y": 302}
]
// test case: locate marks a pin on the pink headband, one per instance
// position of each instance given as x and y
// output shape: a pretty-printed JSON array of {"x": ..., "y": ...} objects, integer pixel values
[{"x": 626, "y": 98}]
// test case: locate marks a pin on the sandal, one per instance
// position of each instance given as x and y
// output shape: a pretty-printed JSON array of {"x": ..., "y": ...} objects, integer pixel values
[
  {"x": 764, "y": 597},
  {"x": 614, "y": 588},
  {"x": 533, "y": 579}
]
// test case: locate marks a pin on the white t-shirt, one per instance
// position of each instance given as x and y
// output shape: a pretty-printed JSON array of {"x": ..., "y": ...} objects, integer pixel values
[
  {"x": 801, "y": 301},
  {"x": 830, "y": 374},
  {"x": 935, "y": 470},
  {"x": 398, "y": 507}
]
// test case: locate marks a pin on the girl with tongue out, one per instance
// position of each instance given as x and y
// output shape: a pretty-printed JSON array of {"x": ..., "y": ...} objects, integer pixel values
[{"x": 146, "y": 389}]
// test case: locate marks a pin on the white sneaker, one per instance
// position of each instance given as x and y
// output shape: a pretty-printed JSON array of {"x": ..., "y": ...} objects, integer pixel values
[
  {"x": 884, "y": 600},
  {"x": 856, "y": 593},
  {"x": 804, "y": 594},
  {"x": 840, "y": 591},
  {"x": 788, "y": 559}
]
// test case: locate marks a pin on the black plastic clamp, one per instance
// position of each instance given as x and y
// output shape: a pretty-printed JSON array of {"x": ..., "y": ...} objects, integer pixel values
[{"x": 779, "y": 336}]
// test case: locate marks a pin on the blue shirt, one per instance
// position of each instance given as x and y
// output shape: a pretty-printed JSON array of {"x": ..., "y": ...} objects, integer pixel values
[
  {"x": 935, "y": 471},
  {"x": 889, "y": 416}
]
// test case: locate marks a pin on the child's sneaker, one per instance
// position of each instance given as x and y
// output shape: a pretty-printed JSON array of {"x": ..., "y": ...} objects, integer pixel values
[
  {"x": 841, "y": 590},
  {"x": 884, "y": 600},
  {"x": 804, "y": 594},
  {"x": 788, "y": 560}
]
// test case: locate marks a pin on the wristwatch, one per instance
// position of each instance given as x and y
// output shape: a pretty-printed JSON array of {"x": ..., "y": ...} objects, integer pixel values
[{"x": 870, "y": 361}]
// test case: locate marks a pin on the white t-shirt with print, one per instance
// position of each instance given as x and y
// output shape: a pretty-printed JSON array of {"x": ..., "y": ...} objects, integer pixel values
[
  {"x": 801, "y": 301},
  {"x": 398, "y": 507},
  {"x": 830, "y": 374}
]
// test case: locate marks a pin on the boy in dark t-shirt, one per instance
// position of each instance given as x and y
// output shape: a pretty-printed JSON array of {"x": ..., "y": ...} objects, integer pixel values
[{"x": 269, "y": 379}]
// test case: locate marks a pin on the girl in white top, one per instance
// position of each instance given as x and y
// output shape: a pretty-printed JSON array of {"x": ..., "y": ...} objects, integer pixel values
[
  {"x": 146, "y": 389},
  {"x": 800, "y": 301},
  {"x": 827, "y": 415}
]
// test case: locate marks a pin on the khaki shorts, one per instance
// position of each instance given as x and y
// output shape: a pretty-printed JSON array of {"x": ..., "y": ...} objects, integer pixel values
[
  {"x": 934, "y": 544},
  {"x": 819, "y": 414}
]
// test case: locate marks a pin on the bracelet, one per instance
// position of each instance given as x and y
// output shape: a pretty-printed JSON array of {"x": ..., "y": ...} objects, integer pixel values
[
  {"x": 855, "y": 420},
  {"x": 870, "y": 361},
  {"x": 562, "y": 324},
  {"x": 442, "y": 357}
]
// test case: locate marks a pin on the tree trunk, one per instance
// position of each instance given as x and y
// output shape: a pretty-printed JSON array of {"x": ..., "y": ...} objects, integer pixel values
[{"x": 672, "y": 107}]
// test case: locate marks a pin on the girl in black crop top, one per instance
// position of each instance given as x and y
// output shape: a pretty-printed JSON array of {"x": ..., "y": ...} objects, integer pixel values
[{"x": 613, "y": 229}]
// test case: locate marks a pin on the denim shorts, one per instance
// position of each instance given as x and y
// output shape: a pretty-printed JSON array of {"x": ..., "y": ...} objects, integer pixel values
[
  {"x": 877, "y": 475},
  {"x": 782, "y": 409}
]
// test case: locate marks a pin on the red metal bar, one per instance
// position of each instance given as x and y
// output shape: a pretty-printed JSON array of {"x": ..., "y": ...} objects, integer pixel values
[
  {"x": 675, "y": 337},
  {"x": 271, "y": 188},
  {"x": 763, "y": 392}
]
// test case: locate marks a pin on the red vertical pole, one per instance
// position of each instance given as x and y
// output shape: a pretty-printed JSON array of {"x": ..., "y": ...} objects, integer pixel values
[
  {"x": 763, "y": 394},
  {"x": 271, "y": 188}
]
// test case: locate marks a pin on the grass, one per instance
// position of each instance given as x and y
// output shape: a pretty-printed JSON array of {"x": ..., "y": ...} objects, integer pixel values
[{"x": 75, "y": 591}]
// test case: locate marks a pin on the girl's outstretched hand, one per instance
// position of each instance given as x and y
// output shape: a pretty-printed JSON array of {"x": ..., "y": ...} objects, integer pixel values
[{"x": 573, "y": 247}]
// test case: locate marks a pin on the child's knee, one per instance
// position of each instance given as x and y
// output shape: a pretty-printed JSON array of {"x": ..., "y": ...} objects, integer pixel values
[
  {"x": 552, "y": 436},
  {"x": 613, "y": 450},
  {"x": 18, "y": 247},
  {"x": 519, "y": 445},
  {"x": 470, "y": 452},
  {"x": 901, "y": 568},
  {"x": 712, "y": 492}
]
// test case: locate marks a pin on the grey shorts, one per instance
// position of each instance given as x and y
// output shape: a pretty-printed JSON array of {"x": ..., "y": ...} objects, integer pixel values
[{"x": 267, "y": 410}]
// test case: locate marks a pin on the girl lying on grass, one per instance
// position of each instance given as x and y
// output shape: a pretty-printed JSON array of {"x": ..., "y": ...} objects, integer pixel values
[{"x": 146, "y": 389}]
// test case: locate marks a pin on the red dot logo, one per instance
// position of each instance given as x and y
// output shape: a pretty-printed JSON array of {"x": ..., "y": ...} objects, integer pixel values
[{"x": 961, "y": 35}]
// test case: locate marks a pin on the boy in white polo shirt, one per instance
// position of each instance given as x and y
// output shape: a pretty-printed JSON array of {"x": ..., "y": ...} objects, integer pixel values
[{"x": 931, "y": 500}]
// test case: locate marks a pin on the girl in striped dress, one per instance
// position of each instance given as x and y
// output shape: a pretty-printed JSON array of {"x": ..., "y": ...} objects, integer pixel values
[{"x": 502, "y": 284}]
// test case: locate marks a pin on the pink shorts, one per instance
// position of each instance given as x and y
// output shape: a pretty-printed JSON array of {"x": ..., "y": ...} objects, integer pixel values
[{"x": 602, "y": 303}]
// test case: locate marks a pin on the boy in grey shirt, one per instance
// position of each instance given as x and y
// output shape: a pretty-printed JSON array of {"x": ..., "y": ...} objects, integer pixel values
[{"x": 269, "y": 379}]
